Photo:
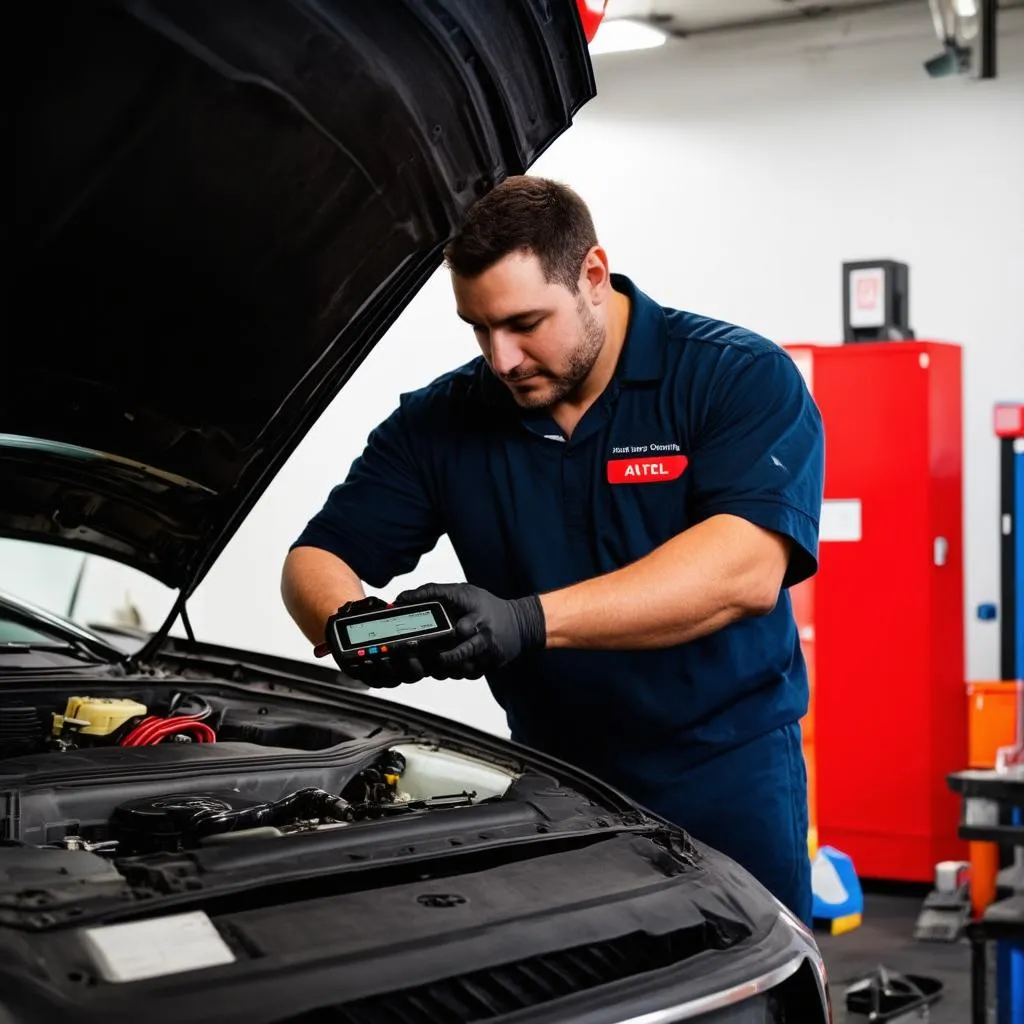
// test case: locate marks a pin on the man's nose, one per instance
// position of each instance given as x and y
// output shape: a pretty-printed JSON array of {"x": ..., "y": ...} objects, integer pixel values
[{"x": 506, "y": 354}]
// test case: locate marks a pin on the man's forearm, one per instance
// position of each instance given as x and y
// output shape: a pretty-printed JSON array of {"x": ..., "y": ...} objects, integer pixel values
[
  {"x": 715, "y": 573},
  {"x": 314, "y": 584}
]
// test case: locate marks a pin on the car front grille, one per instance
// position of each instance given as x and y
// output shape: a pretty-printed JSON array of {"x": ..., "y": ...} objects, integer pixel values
[{"x": 491, "y": 994}]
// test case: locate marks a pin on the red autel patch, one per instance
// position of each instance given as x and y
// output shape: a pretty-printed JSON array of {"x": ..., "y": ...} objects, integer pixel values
[{"x": 658, "y": 469}]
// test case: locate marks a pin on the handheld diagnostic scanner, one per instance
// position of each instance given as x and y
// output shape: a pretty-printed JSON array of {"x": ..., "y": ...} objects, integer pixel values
[{"x": 409, "y": 629}]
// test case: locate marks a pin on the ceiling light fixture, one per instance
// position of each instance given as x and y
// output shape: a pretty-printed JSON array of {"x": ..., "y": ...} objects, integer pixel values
[{"x": 621, "y": 35}]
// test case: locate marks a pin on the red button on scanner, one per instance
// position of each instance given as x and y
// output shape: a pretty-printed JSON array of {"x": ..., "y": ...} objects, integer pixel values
[{"x": 360, "y": 653}]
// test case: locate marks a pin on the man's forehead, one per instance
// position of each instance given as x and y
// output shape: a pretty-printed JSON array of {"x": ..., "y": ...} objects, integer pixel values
[{"x": 510, "y": 290}]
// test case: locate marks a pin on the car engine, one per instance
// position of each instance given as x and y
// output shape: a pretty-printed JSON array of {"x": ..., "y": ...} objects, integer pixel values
[{"x": 168, "y": 771}]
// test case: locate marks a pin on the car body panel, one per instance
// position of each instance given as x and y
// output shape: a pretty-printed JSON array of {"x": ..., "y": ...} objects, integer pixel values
[
  {"x": 538, "y": 882},
  {"x": 563, "y": 874}
]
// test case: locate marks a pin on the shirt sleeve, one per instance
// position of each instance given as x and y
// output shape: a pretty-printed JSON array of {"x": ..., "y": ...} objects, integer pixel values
[
  {"x": 382, "y": 518},
  {"x": 760, "y": 454}
]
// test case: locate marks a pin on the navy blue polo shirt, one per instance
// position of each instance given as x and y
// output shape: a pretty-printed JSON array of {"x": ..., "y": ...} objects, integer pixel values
[{"x": 701, "y": 418}]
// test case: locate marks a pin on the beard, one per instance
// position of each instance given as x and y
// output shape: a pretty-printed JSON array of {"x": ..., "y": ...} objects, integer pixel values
[{"x": 557, "y": 387}]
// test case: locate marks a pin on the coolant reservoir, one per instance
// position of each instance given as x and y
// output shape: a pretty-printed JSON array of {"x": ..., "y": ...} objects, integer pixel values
[
  {"x": 97, "y": 716},
  {"x": 430, "y": 772}
]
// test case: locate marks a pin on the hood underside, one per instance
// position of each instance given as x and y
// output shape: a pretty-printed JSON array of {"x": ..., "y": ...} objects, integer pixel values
[{"x": 220, "y": 208}]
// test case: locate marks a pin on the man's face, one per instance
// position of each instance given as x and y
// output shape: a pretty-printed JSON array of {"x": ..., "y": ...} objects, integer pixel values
[{"x": 537, "y": 337}]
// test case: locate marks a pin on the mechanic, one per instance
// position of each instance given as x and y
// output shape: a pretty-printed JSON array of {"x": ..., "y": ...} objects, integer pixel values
[{"x": 630, "y": 490}]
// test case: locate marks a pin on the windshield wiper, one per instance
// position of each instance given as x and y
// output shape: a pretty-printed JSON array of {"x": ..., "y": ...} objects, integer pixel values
[
  {"x": 66, "y": 635},
  {"x": 12, "y": 646},
  {"x": 73, "y": 649}
]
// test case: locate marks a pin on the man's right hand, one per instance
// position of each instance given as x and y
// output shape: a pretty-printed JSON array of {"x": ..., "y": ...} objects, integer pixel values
[{"x": 387, "y": 673}]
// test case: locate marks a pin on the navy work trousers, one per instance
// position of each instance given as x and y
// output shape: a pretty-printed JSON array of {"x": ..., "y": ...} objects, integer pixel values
[{"x": 750, "y": 803}]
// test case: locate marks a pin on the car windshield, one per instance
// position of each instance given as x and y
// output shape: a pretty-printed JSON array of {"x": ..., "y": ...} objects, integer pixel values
[
  {"x": 94, "y": 592},
  {"x": 15, "y": 632}
]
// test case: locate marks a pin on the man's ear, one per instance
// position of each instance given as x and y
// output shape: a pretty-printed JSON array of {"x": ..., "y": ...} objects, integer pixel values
[{"x": 595, "y": 276}]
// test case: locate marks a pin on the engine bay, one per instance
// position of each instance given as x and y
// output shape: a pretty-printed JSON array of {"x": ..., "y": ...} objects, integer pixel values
[
  {"x": 166, "y": 770},
  {"x": 49, "y": 721}
]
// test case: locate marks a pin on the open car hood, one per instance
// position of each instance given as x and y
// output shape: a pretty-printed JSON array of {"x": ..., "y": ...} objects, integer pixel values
[{"x": 220, "y": 208}]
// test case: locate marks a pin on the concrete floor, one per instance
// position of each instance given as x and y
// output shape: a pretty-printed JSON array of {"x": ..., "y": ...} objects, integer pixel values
[{"x": 886, "y": 937}]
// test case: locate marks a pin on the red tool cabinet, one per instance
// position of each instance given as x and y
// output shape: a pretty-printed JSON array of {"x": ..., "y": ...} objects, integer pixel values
[{"x": 888, "y": 607}]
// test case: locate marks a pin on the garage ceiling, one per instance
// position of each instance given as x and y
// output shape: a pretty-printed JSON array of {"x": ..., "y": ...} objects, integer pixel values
[{"x": 686, "y": 17}]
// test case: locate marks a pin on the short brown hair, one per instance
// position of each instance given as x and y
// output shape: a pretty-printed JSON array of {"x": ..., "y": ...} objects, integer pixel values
[{"x": 527, "y": 213}]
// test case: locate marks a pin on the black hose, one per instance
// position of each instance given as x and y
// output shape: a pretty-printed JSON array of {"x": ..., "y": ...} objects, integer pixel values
[
  {"x": 302, "y": 805},
  {"x": 183, "y": 696}
]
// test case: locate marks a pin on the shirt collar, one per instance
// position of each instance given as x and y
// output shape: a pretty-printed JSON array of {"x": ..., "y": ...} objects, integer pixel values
[{"x": 643, "y": 352}]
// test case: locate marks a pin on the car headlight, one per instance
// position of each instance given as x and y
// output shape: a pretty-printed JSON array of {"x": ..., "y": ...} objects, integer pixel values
[{"x": 813, "y": 953}]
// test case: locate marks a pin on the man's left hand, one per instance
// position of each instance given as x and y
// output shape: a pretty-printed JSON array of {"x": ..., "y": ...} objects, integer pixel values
[{"x": 493, "y": 631}]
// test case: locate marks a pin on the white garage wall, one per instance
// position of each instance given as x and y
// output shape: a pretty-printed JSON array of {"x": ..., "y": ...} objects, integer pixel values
[{"x": 733, "y": 175}]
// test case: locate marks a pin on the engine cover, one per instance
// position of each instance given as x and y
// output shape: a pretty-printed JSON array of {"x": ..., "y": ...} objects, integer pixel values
[{"x": 162, "y": 824}]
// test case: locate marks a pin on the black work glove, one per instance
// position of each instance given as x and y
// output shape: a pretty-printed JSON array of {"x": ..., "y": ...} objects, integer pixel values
[
  {"x": 393, "y": 671},
  {"x": 493, "y": 631}
]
